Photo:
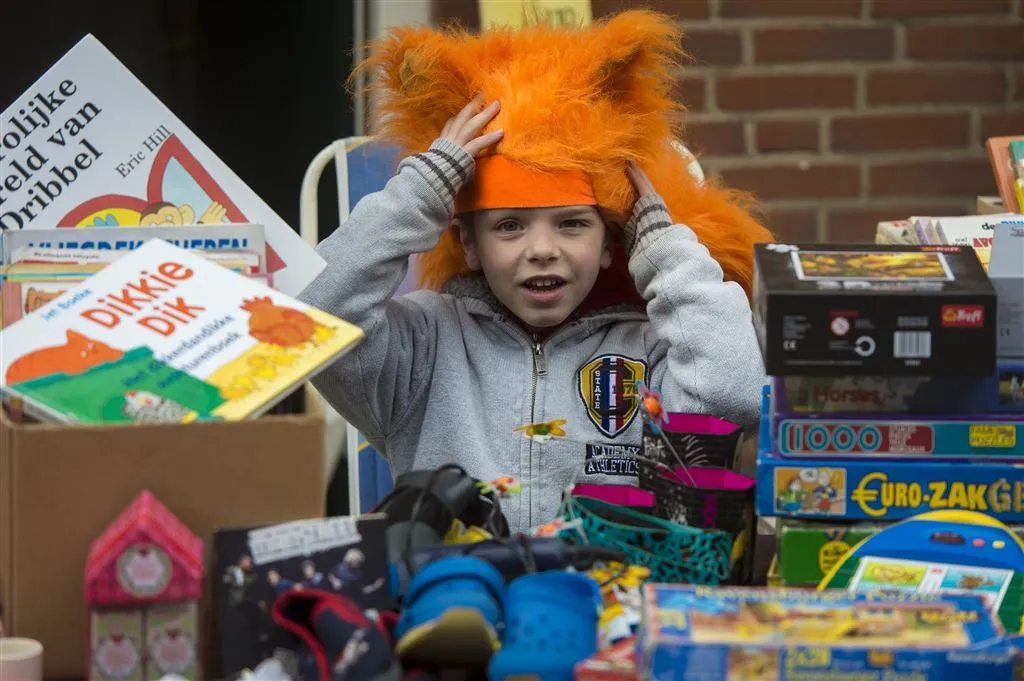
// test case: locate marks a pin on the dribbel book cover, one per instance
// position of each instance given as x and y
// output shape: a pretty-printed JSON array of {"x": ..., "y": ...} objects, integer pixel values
[
  {"x": 88, "y": 145},
  {"x": 165, "y": 335}
]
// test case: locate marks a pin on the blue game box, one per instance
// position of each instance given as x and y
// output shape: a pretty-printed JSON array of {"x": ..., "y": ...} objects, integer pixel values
[{"x": 695, "y": 633}]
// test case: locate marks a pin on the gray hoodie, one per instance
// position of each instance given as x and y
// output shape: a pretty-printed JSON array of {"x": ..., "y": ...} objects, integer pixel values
[{"x": 446, "y": 376}]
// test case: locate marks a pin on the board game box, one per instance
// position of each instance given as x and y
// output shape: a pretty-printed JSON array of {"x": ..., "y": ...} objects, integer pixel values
[
  {"x": 800, "y": 435},
  {"x": 845, "y": 310},
  {"x": 693, "y": 633},
  {"x": 1003, "y": 392},
  {"x": 883, "y": 489}
]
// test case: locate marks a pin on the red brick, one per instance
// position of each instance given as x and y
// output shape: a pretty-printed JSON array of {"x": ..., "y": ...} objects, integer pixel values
[
  {"x": 718, "y": 138},
  {"x": 857, "y": 224},
  {"x": 746, "y": 9},
  {"x": 936, "y": 86},
  {"x": 935, "y": 177},
  {"x": 912, "y": 131},
  {"x": 792, "y": 224},
  {"x": 692, "y": 92},
  {"x": 786, "y": 91},
  {"x": 683, "y": 9},
  {"x": 787, "y": 136},
  {"x": 890, "y": 9},
  {"x": 1002, "y": 124},
  {"x": 966, "y": 41},
  {"x": 791, "y": 182},
  {"x": 714, "y": 47},
  {"x": 774, "y": 45}
]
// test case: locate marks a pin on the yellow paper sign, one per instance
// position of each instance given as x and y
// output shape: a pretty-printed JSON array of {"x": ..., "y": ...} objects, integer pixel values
[{"x": 517, "y": 13}]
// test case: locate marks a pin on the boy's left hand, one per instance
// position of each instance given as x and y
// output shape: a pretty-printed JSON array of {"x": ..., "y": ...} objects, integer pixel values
[{"x": 639, "y": 178}]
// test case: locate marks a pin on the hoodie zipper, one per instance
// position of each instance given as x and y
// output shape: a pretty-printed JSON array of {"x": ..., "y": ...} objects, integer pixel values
[{"x": 540, "y": 370}]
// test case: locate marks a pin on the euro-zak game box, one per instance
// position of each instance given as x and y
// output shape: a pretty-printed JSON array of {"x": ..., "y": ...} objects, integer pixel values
[
  {"x": 694, "y": 633},
  {"x": 841, "y": 310}
]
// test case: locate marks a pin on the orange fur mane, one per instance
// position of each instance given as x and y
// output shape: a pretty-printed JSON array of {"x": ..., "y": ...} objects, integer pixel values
[{"x": 571, "y": 98}]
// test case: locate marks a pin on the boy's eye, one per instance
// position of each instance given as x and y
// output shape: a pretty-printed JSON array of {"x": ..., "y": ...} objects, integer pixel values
[
  {"x": 574, "y": 224},
  {"x": 507, "y": 226}
]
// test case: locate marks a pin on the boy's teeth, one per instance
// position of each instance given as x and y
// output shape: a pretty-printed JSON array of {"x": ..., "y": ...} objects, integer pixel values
[{"x": 543, "y": 283}]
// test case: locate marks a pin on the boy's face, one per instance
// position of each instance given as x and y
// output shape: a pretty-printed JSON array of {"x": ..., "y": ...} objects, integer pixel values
[{"x": 539, "y": 262}]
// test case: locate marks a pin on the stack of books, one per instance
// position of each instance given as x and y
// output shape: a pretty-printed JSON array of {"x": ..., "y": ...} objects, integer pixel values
[
  {"x": 37, "y": 266},
  {"x": 961, "y": 230}
]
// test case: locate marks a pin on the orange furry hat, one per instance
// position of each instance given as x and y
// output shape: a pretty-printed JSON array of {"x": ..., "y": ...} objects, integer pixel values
[{"x": 573, "y": 101}]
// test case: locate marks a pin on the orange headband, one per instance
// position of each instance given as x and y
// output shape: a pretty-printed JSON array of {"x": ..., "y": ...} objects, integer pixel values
[{"x": 503, "y": 183}]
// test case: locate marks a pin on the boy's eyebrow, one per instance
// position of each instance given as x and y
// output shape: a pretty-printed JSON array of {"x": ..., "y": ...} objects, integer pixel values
[{"x": 573, "y": 212}]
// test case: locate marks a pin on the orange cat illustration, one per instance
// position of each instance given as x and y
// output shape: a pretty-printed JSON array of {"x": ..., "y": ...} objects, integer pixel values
[
  {"x": 277, "y": 325},
  {"x": 79, "y": 354}
]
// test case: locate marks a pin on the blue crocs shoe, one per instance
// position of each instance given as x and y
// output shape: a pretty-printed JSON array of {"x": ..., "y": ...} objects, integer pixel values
[
  {"x": 453, "y": 613},
  {"x": 551, "y": 624}
]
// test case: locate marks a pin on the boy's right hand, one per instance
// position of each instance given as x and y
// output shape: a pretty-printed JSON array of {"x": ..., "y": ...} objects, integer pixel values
[{"x": 464, "y": 129}]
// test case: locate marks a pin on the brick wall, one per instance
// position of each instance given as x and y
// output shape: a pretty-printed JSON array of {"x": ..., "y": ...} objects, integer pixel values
[{"x": 841, "y": 113}]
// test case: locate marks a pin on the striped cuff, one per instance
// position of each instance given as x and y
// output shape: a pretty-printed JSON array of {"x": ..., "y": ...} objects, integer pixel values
[
  {"x": 649, "y": 217},
  {"x": 446, "y": 165}
]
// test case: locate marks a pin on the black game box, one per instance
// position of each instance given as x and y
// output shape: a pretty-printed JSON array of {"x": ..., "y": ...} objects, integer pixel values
[{"x": 838, "y": 310}]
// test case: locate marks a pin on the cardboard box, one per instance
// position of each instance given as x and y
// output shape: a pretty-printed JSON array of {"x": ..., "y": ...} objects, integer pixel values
[
  {"x": 61, "y": 486},
  {"x": 854, "y": 310}
]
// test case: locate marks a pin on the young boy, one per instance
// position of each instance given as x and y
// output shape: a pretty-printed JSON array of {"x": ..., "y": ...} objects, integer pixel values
[{"x": 526, "y": 337}]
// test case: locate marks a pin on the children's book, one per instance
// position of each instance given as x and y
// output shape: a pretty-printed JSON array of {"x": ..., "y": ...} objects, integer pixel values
[
  {"x": 343, "y": 555},
  {"x": 165, "y": 335},
  {"x": 88, "y": 145},
  {"x": 66, "y": 244},
  {"x": 970, "y": 230},
  {"x": 1006, "y": 171}
]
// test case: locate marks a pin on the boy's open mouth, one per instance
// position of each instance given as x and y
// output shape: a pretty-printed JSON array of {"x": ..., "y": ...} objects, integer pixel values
[{"x": 543, "y": 284}]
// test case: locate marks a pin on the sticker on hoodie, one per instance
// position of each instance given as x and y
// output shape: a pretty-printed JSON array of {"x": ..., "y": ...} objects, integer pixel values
[{"x": 607, "y": 386}]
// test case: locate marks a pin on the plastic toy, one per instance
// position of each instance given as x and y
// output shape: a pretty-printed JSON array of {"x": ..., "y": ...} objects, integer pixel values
[{"x": 955, "y": 552}]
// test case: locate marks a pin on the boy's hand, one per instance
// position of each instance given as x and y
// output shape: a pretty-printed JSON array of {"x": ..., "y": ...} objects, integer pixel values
[
  {"x": 640, "y": 180},
  {"x": 464, "y": 129}
]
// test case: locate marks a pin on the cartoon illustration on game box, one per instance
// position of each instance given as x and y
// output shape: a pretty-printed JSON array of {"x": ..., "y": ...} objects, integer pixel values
[
  {"x": 753, "y": 664},
  {"x": 811, "y": 490},
  {"x": 812, "y": 623},
  {"x": 869, "y": 265}
]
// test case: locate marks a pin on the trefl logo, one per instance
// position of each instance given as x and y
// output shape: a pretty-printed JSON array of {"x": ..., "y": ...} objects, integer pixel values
[{"x": 970, "y": 316}]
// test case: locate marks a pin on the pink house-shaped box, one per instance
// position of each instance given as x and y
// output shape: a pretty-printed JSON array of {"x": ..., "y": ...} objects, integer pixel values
[{"x": 143, "y": 582}]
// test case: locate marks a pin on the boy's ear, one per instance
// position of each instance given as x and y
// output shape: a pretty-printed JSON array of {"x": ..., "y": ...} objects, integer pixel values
[
  {"x": 464, "y": 233},
  {"x": 606, "y": 252}
]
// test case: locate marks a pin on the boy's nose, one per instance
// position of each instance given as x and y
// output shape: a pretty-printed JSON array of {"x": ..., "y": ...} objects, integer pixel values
[{"x": 541, "y": 247}]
